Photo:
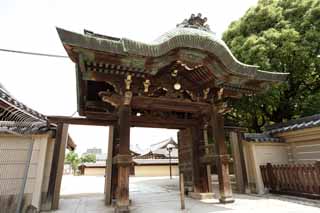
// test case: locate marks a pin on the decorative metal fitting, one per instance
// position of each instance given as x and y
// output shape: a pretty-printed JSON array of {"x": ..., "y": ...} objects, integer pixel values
[
  {"x": 128, "y": 82},
  {"x": 146, "y": 85}
]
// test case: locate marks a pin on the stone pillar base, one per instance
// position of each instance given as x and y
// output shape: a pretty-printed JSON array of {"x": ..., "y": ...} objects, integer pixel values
[
  {"x": 201, "y": 196},
  {"x": 226, "y": 200}
]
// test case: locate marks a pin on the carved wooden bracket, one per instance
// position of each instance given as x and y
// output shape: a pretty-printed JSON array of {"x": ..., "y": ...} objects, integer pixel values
[
  {"x": 111, "y": 98},
  {"x": 115, "y": 99},
  {"x": 223, "y": 107}
]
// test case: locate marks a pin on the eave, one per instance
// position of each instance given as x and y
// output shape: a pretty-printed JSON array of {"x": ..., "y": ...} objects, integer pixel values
[{"x": 179, "y": 38}]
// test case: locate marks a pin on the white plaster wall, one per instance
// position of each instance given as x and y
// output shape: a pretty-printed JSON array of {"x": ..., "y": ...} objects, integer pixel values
[
  {"x": 257, "y": 154},
  {"x": 155, "y": 170},
  {"x": 13, "y": 156},
  {"x": 13, "y": 159}
]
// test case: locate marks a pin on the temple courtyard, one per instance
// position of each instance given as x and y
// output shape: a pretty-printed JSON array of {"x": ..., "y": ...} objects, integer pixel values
[{"x": 80, "y": 194}]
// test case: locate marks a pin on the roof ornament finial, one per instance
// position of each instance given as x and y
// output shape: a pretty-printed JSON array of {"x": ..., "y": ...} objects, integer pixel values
[{"x": 195, "y": 22}]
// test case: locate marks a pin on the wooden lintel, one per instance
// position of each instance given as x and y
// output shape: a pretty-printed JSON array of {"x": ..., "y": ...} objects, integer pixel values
[
  {"x": 105, "y": 121},
  {"x": 162, "y": 123},
  {"x": 167, "y": 104}
]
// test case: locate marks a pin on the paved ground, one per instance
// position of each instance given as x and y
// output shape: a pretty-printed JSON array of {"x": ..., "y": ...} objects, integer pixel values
[{"x": 85, "y": 194}]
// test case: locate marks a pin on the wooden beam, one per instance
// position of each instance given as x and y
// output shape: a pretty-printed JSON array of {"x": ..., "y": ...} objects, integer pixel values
[
  {"x": 162, "y": 122},
  {"x": 167, "y": 104},
  {"x": 105, "y": 121},
  {"x": 57, "y": 165},
  {"x": 217, "y": 123}
]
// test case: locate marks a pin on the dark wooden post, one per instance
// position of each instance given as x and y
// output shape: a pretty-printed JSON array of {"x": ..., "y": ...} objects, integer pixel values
[
  {"x": 115, "y": 174},
  {"x": 271, "y": 177},
  {"x": 207, "y": 151},
  {"x": 243, "y": 163},
  {"x": 52, "y": 199},
  {"x": 200, "y": 179},
  {"x": 217, "y": 123},
  {"x": 196, "y": 160},
  {"x": 185, "y": 157},
  {"x": 199, "y": 168},
  {"x": 110, "y": 182},
  {"x": 238, "y": 162},
  {"x": 123, "y": 160}
]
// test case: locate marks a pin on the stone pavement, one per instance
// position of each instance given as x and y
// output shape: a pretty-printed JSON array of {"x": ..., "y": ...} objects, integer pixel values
[{"x": 161, "y": 195}]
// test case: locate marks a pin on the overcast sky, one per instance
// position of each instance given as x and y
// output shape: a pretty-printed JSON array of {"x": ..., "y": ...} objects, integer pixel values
[{"x": 48, "y": 84}]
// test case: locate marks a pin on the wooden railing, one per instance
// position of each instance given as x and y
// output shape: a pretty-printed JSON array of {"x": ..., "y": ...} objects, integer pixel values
[{"x": 296, "y": 179}]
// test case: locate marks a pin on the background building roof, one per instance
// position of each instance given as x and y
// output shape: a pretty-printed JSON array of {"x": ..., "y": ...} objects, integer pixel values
[
  {"x": 296, "y": 124},
  {"x": 160, "y": 148},
  {"x": 17, "y": 118}
]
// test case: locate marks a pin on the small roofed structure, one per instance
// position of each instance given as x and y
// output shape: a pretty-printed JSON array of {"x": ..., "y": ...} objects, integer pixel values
[{"x": 182, "y": 81}]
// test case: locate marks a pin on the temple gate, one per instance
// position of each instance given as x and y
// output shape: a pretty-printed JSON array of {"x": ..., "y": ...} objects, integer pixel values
[{"x": 183, "y": 81}]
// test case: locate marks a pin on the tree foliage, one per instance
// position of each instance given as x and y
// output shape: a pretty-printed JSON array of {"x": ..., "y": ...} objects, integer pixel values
[
  {"x": 74, "y": 160},
  {"x": 88, "y": 158},
  {"x": 280, "y": 36}
]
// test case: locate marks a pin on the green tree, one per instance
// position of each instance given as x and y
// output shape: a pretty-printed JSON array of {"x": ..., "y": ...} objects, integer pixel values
[
  {"x": 280, "y": 36},
  {"x": 74, "y": 160},
  {"x": 88, "y": 158}
]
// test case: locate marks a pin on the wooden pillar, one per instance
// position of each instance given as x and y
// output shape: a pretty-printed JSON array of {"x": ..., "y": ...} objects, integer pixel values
[
  {"x": 204, "y": 185},
  {"x": 123, "y": 160},
  {"x": 110, "y": 182},
  {"x": 239, "y": 166},
  {"x": 217, "y": 123},
  {"x": 185, "y": 158},
  {"x": 199, "y": 169},
  {"x": 56, "y": 173},
  {"x": 114, "y": 178},
  {"x": 208, "y": 167},
  {"x": 195, "y": 160},
  {"x": 243, "y": 163}
]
